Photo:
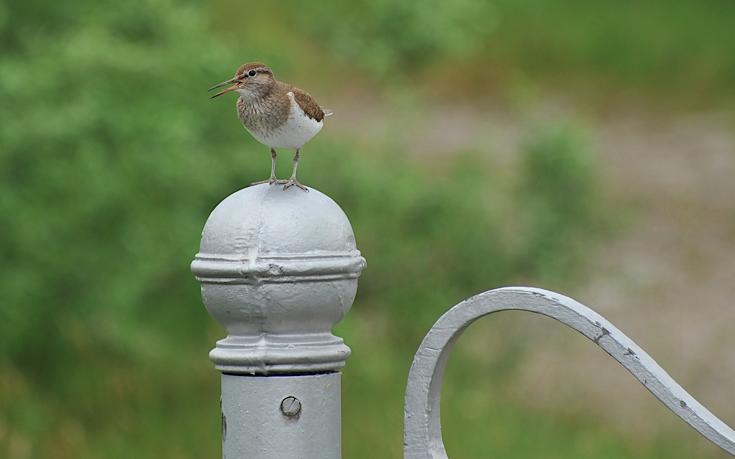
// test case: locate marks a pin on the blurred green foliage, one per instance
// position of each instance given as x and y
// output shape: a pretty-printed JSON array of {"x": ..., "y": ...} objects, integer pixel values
[
  {"x": 680, "y": 51},
  {"x": 389, "y": 35},
  {"x": 676, "y": 53},
  {"x": 111, "y": 158},
  {"x": 559, "y": 185}
]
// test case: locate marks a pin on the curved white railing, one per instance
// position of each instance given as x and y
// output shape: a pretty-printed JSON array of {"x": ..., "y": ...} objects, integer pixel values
[{"x": 422, "y": 425}]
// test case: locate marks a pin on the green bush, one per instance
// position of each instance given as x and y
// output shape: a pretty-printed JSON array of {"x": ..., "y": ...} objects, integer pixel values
[{"x": 559, "y": 194}]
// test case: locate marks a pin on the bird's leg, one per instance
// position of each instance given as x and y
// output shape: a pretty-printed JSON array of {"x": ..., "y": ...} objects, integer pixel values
[
  {"x": 274, "y": 155},
  {"x": 292, "y": 180},
  {"x": 272, "y": 178}
]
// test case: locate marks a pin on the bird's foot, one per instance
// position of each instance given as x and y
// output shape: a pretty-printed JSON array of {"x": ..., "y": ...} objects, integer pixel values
[
  {"x": 270, "y": 181},
  {"x": 293, "y": 182}
]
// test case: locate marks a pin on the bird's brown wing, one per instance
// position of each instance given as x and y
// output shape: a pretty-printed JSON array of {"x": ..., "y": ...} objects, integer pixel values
[{"x": 308, "y": 104}]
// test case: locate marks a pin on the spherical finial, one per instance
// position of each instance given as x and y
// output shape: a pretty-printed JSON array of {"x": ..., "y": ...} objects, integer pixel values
[{"x": 278, "y": 270}]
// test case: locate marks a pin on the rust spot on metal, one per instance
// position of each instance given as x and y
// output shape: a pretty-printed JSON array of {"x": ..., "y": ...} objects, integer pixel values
[
  {"x": 605, "y": 332},
  {"x": 224, "y": 427}
]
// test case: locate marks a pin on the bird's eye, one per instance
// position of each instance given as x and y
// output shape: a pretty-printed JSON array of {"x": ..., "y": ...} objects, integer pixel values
[{"x": 251, "y": 73}]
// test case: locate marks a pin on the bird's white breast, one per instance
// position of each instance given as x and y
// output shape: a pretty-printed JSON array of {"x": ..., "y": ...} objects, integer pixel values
[{"x": 293, "y": 133}]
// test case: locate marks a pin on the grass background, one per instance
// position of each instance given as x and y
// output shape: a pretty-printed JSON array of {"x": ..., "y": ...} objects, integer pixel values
[{"x": 111, "y": 157}]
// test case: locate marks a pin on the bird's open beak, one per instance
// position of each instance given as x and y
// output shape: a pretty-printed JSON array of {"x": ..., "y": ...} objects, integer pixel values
[{"x": 231, "y": 88}]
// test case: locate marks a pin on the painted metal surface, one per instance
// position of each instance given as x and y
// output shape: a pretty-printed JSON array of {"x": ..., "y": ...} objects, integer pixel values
[
  {"x": 278, "y": 269},
  {"x": 422, "y": 426},
  {"x": 258, "y": 426}
]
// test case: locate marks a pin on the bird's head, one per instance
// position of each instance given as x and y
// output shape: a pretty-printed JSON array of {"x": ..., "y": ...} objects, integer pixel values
[{"x": 252, "y": 80}]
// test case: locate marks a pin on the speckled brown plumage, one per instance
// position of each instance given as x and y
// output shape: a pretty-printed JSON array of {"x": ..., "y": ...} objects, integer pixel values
[
  {"x": 308, "y": 104},
  {"x": 264, "y": 114},
  {"x": 269, "y": 106},
  {"x": 277, "y": 114}
]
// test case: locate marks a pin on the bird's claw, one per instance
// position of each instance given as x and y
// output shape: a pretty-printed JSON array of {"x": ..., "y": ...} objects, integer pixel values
[
  {"x": 293, "y": 182},
  {"x": 270, "y": 181}
]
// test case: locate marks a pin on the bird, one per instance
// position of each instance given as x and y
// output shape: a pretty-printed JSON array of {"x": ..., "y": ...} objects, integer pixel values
[{"x": 276, "y": 114}]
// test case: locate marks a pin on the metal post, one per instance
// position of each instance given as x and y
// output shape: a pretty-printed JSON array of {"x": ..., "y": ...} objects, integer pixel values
[{"x": 278, "y": 270}]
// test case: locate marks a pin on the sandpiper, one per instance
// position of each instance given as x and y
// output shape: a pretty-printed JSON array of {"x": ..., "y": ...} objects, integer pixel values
[{"x": 277, "y": 114}]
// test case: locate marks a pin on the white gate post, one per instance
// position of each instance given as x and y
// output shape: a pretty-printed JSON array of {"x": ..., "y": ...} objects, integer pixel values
[{"x": 278, "y": 269}]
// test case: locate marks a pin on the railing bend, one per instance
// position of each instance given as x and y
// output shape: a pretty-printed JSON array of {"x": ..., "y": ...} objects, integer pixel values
[{"x": 422, "y": 425}]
